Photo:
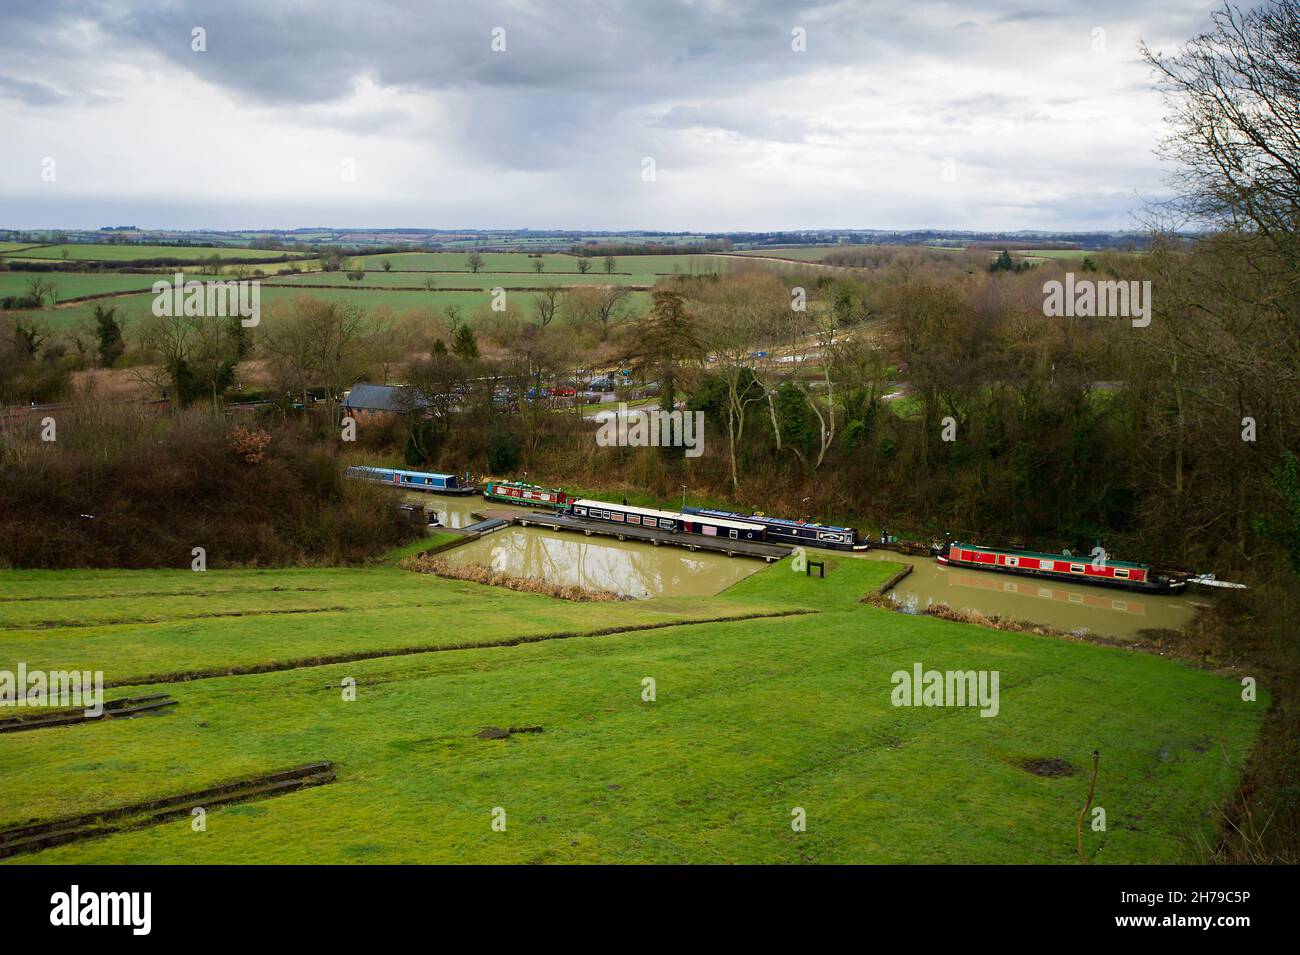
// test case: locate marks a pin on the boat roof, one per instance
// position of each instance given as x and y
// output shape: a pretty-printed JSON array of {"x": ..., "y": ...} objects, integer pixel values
[
  {"x": 531, "y": 487},
  {"x": 626, "y": 508},
  {"x": 764, "y": 519},
  {"x": 1074, "y": 558},
  {"x": 668, "y": 515},
  {"x": 366, "y": 467}
]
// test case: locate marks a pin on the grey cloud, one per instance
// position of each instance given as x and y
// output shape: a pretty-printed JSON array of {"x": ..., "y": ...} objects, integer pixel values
[{"x": 30, "y": 92}]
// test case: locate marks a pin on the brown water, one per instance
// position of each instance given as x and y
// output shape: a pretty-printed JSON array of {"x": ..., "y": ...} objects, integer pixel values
[
  {"x": 452, "y": 511},
  {"x": 640, "y": 570},
  {"x": 634, "y": 570},
  {"x": 1056, "y": 604}
]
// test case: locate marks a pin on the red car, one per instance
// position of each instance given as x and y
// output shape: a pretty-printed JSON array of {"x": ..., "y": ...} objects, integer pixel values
[{"x": 564, "y": 391}]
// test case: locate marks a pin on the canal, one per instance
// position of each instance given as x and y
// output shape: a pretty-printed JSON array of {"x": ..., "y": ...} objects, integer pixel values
[{"x": 640, "y": 571}]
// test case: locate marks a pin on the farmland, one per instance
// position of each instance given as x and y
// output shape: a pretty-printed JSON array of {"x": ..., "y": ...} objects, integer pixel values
[
  {"x": 77, "y": 284},
  {"x": 624, "y": 265},
  {"x": 751, "y": 719},
  {"x": 91, "y": 252}
]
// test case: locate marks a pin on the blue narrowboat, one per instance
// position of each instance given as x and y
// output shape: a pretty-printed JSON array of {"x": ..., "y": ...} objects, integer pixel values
[{"x": 413, "y": 480}]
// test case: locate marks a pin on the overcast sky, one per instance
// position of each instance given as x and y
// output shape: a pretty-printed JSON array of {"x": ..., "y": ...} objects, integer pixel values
[{"x": 985, "y": 114}]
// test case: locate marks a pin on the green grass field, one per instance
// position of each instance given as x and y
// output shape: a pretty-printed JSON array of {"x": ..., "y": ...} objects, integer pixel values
[
  {"x": 92, "y": 252},
  {"x": 77, "y": 284},
  {"x": 752, "y": 719},
  {"x": 132, "y": 308},
  {"x": 642, "y": 265},
  {"x": 461, "y": 280}
]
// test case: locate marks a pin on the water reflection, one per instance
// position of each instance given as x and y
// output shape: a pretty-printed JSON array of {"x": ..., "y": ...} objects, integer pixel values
[
  {"x": 640, "y": 570},
  {"x": 1049, "y": 602},
  {"x": 451, "y": 511},
  {"x": 631, "y": 569}
]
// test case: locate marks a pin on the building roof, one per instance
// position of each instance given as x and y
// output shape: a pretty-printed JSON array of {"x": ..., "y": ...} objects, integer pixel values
[{"x": 394, "y": 398}]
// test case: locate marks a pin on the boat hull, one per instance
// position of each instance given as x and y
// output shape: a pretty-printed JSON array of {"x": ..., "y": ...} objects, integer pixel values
[{"x": 1160, "y": 586}]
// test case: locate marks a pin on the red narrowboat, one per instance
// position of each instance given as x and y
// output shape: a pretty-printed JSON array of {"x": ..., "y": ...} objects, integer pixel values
[
  {"x": 516, "y": 492},
  {"x": 1100, "y": 571}
]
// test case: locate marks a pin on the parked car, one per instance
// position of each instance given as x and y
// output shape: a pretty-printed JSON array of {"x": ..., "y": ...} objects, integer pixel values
[
  {"x": 534, "y": 393},
  {"x": 602, "y": 384},
  {"x": 564, "y": 391}
]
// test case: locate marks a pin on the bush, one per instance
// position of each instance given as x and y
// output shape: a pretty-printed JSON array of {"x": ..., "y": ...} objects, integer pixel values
[
  {"x": 127, "y": 487},
  {"x": 503, "y": 452}
]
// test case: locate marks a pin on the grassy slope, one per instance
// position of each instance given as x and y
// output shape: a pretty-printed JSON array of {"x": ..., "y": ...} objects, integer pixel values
[{"x": 752, "y": 719}]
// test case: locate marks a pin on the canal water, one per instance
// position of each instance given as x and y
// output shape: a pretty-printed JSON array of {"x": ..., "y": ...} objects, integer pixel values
[
  {"x": 595, "y": 563},
  {"x": 634, "y": 570},
  {"x": 641, "y": 570},
  {"x": 1053, "y": 603}
]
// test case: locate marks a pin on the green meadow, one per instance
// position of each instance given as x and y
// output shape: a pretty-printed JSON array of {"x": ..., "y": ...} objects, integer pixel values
[
  {"x": 483, "y": 281},
  {"x": 78, "y": 284},
  {"x": 624, "y": 265},
  {"x": 752, "y": 720},
  {"x": 403, "y": 288},
  {"x": 132, "y": 308},
  {"x": 92, "y": 252}
]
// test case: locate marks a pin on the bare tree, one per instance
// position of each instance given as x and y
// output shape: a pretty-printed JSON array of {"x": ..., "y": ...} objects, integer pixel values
[
  {"x": 546, "y": 304},
  {"x": 1234, "y": 96}
]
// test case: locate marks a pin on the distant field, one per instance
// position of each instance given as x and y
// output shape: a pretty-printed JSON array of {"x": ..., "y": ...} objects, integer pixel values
[
  {"x": 134, "y": 307},
  {"x": 88, "y": 252},
  {"x": 76, "y": 284},
  {"x": 752, "y": 719},
  {"x": 801, "y": 253},
  {"x": 460, "y": 280},
  {"x": 643, "y": 265}
]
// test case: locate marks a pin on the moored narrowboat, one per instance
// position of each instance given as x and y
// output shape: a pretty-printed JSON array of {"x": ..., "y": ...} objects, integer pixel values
[
  {"x": 1102, "y": 572},
  {"x": 413, "y": 480},
  {"x": 785, "y": 531},
  {"x": 669, "y": 521},
  {"x": 517, "y": 492}
]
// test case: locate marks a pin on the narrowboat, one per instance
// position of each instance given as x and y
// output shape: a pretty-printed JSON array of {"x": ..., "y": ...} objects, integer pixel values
[
  {"x": 1083, "y": 570},
  {"x": 669, "y": 521},
  {"x": 516, "y": 492},
  {"x": 413, "y": 480},
  {"x": 800, "y": 533}
]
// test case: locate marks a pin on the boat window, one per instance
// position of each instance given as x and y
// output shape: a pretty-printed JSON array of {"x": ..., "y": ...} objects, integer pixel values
[
  {"x": 734, "y": 535},
  {"x": 1012, "y": 561},
  {"x": 1121, "y": 573},
  {"x": 1076, "y": 568}
]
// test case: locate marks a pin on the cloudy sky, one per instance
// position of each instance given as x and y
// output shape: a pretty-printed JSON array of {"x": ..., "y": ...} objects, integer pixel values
[{"x": 984, "y": 114}]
